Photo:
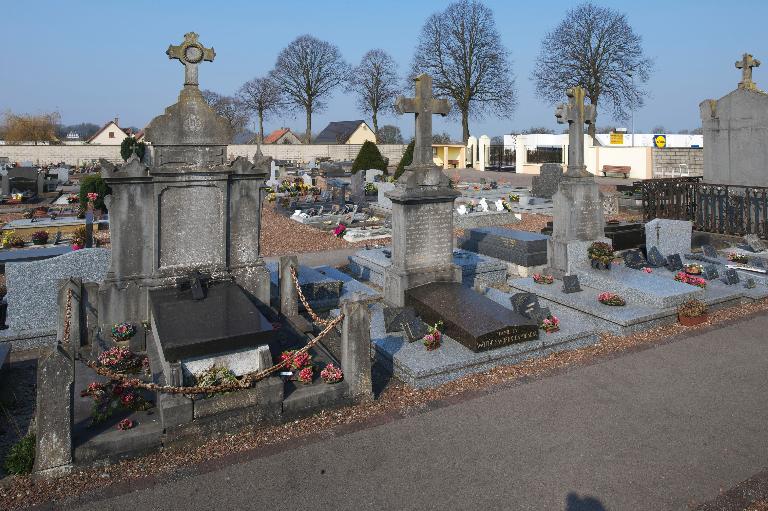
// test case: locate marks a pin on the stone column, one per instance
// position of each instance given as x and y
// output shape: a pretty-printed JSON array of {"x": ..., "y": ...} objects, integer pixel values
[
  {"x": 356, "y": 348},
  {"x": 5, "y": 183},
  {"x": 483, "y": 144},
  {"x": 289, "y": 299},
  {"x": 472, "y": 150},
  {"x": 55, "y": 408},
  {"x": 357, "y": 187}
]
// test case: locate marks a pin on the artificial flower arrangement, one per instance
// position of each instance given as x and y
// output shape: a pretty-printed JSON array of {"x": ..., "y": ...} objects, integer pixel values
[
  {"x": 339, "y": 230},
  {"x": 40, "y": 237},
  {"x": 647, "y": 269},
  {"x": 692, "y": 312},
  {"x": 72, "y": 198},
  {"x": 693, "y": 269},
  {"x": 434, "y": 336},
  {"x": 300, "y": 363},
  {"x": 611, "y": 299},
  {"x": 543, "y": 279},
  {"x": 28, "y": 214},
  {"x": 690, "y": 279},
  {"x": 600, "y": 255},
  {"x": 125, "y": 424},
  {"x": 122, "y": 332},
  {"x": 513, "y": 197},
  {"x": 113, "y": 396},
  {"x": 550, "y": 324},
  {"x": 506, "y": 205},
  {"x": 371, "y": 188},
  {"x": 92, "y": 196},
  {"x": 737, "y": 258},
  {"x": 122, "y": 360},
  {"x": 331, "y": 374}
]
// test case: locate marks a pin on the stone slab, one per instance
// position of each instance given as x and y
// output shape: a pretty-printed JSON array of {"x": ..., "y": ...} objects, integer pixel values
[
  {"x": 522, "y": 248},
  {"x": 26, "y": 255},
  {"x": 321, "y": 291},
  {"x": 351, "y": 289},
  {"x": 469, "y": 317},
  {"x": 224, "y": 321},
  {"x": 669, "y": 236},
  {"x": 240, "y": 362},
  {"x": 32, "y": 285},
  {"x": 484, "y": 219}
]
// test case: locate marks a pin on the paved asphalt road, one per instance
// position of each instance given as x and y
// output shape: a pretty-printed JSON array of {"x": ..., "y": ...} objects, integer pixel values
[{"x": 656, "y": 429}]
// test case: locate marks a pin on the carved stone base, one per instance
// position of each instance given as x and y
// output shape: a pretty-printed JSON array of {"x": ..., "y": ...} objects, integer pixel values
[{"x": 397, "y": 281}]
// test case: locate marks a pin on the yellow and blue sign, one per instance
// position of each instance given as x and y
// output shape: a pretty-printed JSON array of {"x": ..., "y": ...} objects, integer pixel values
[{"x": 660, "y": 141}]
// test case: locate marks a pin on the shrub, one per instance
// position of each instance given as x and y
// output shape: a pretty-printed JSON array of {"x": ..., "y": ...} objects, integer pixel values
[
  {"x": 93, "y": 183},
  {"x": 692, "y": 309},
  {"x": 600, "y": 251},
  {"x": 129, "y": 145},
  {"x": 406, "y": 160},
  {"x": 369, "y": 157},
  {"x": 40, "y": 237},
  {"x": 78, "y": 237},
  {"x": 21, "y": 457}
]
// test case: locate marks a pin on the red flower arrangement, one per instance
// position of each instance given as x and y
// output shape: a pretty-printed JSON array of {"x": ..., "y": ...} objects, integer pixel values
[
  {"x": 648, "y": 270},
  {"x": 612, "y": 299},
  {"x": 121, "y": 360},
  {"x": 433, "y": 338},
  {"x": 125, "y": 424},
  {"x": 543, "y": 279},
  {"x": 92, "y": 196},
  {"x": 339, "y": 230},
  {"x": 295, "y": 360},
  {"x": 331, "y": 374},
  {"x": 550, "y": 324},
  {"x": 305, "y": 375},
  {"x": 112, "y": 396},
  {"x": 690, "y": 279}
]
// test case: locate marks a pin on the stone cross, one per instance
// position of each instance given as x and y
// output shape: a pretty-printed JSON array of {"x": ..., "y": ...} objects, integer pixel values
[
  {"x": 575, "y": 113},
  {"x": 190, "y": 53},
  {"x": 424, "y": 106},
  {"x": 746, "y": 64}
]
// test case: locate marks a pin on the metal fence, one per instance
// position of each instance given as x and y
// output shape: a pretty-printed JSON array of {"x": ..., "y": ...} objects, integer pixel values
[
  {"x": 500, "y": 157},
  {"x": 724, "y": 209},
  {"x": 544, "y": 154}
]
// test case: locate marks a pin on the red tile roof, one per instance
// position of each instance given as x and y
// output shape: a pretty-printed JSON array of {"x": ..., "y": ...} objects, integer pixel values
[{"x": 275, "y": 135}]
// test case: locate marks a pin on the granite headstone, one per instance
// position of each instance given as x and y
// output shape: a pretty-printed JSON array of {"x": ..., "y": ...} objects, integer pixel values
[
  {"x": 731, "y": 277},
  {"x": 571, "y": 284},
  {"x": 655, "y": 259},
  {"x": 634, "y": 259},
  {"x": 674, "y": 262},
  {"x": 709, "y": 272}
]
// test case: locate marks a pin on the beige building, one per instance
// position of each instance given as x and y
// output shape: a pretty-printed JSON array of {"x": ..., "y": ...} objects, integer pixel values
[
  {"x": 112, "y": 134},
  {"x": 281, "y": 136},
  {"x": 346, "y": 132}
]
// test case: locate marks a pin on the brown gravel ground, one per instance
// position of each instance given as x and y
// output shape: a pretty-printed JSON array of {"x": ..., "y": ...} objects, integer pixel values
[
  {"x": 760, "y": 505},
  {"x": 395, "y": 399}
]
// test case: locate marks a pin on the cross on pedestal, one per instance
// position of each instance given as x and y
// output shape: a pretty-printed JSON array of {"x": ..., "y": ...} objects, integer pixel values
[
  {"x": 424, "y": 106},
  {"x": 190, "y": 53},
  {"x": 576, "y": 114},
  {"x": 746, "y": 64}
]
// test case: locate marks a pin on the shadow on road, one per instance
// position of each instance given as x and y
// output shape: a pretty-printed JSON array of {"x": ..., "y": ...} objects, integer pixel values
[{"x": 575, "y": 503}]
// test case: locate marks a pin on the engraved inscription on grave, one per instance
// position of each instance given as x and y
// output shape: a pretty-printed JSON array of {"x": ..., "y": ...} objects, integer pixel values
[
  {"x": 507, "y": 336},
  {"x": 177, "y": 230},
  {"x": 429, "y": 240}
]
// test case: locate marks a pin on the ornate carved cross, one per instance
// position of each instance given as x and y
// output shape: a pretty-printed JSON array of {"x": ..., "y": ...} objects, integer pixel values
[
  {"x": 746, "y": 64},
  {"x": 575, "y": 113},
  {"x": 424, "y": 106},
  {"x": 190, "y": 52}
]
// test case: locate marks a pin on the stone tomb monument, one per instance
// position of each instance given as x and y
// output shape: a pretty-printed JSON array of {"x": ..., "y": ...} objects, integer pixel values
[
  {"x": 190, "y": 251},
  {"x": 422, "y": 274},
  {"x": 578, "y": 208}
]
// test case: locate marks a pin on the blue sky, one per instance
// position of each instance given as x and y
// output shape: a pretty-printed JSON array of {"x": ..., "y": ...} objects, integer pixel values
[{"x": 93, "y": 61}]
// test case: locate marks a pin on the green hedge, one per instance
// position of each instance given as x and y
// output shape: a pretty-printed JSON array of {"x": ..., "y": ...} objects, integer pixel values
[
  {"x": 128, "y": 145},
  {"x": 406, "y": 160},
  {"x": 93, "y": 183},
  {"x": 369, "y": 157}
]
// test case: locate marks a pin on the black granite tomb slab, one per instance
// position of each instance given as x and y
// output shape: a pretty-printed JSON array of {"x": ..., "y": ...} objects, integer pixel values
[
  {"x": 225, "y": 320},
  {"x": 519, "y": 247},
  {"x": 623, "y": 235},
  {"x": 470, "y": 318}
]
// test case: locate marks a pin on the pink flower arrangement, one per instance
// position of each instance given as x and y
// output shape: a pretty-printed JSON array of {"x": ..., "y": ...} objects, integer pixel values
[
  {"x": 92, "y": 196},
  {"x": 433, "y": 338},
  {"x": 123, "y": 331},
  {"x": 550, "y": 324},
  {"x": 612, "y": 299},
  {"x": 76, "y": 247},
  {"x": 125, "y": 424},
  {"x": 305, "y": 375},
  {"x": 339, "y": 230},
  {"x": 331, "y": 374},
  {"x": 690, "y": 279},
  {"x": 543, "y": 279},
  {"x": 128, "y": 399},
  {"x": 120, "y": 359},
  {"x": 295, "y": 361},
  {"x": 648, "y": 270}
]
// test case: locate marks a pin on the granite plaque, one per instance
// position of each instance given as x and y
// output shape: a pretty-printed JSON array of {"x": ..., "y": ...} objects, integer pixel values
[
  {"x": 655, "y": 259},
  {"x": 571, "y": 284},
  {"x": 674, "y": 262},
  {"x": 634, "y": 259},
  {"x": 750, "y": 283},
  {"x": 709, "y": 251},
  {"x": 709, "y": 272},
  {"x": 757, "y": 262},
  {"x": 527, "y": 304},
  {"x": 470, "y": 318},
  {"x": 754, "y": 243},
  {"x": 414, "y": 329},
  {"x": 731, "y": 277},
  {"x": 395, "y": 317}
]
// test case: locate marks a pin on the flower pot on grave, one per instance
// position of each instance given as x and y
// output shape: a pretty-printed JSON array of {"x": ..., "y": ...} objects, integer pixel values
[
  {"x": 692, "y": 321},
  {"x": 599, "y": 265}
]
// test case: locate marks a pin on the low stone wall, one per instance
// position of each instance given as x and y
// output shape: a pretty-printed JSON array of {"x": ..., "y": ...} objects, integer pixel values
[
  {"x": 487, "y": 219},
  {"x": 672, "y": 157},
  {"x": 79, "y": 154}
]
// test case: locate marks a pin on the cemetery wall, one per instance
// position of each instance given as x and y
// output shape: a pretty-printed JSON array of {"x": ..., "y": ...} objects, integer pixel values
[
  {"x": 674, "y": 157},
  {"x": 78, "y": 154}
]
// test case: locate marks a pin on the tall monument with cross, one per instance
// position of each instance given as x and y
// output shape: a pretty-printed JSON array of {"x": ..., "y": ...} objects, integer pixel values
[
  {"x": 735, "y": 129},
  {"x": 746, "y": 64},
  {"x": 422, "y": 207},
  {"x": 575, "y": 113},
  {"x": 578, "y": 207}
]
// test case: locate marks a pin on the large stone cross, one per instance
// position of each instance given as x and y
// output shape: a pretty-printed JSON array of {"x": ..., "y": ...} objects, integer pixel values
[
  {"x": 190, "y": 53},
  {"x": 424, "y": 106},
  {"x": 746, "y": 64},
  {"x": 575, "y": 113}
]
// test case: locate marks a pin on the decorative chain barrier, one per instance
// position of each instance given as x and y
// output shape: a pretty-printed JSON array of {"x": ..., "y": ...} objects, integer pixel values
[
  {"x": 67, "y": 317},
  {"x": 245, "y": 382}
]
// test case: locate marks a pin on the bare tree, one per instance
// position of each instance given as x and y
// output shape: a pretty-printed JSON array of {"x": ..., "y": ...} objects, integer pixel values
[
  {"x": 17, "y": 128},
  {"x": 374, "y": 81},
  {"x": 462, "y": 51},
  {"x": 228, "y": 107},
  {"x": 307, "y": 70},
  {"x": 389, "y": 134},
  {"x": 659, "y": 129},
  {"x": 538, "y": 130},
  {"x": 261, "y": 96},
  {"x": 594, "y": 47}
]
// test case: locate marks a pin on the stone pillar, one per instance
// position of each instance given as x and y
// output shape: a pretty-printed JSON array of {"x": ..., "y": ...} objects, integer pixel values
[
  {"x": 89, "y": 226},
  {"x": 289, "y": 299},
  {"x": 483, "y": 149},
  {"x": 41, "y": 182},
  {"x": 356, "y": 348},
  {"x": 77, "y": 331},
  {"x": 55, "y": 409},
  {"x": 357, "y": 187},
  {"x": 472, "y": 150},
  {"x": 5, "y": 182}
]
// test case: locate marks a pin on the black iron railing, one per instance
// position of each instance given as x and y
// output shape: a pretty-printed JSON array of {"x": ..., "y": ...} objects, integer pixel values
[{"x": 500, "y": 157}]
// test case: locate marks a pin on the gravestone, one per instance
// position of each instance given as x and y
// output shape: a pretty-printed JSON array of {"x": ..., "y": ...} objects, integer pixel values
[
  {"x": 731, "y": 277},
  {"x": 357, "y": 187},
  {"x": 754, "y": 243},
  {"x": 518, "y": 247},
  {"x": 674, "y": 262},
  {"x": 545, "y": 184},
  {"x": 709, "y": 272},
  {"x": 571, "y": 284},
  {"x": 403, "y": 319},
  {"x": 710, "y": 251},
  {"x": 669, "y": 236},
  {"x": 422, "y": 207},
  {"x": 634, "y": 259},
  {"x": 578, "y": 207},
  {"x": 527, "y": 305},
  {"x": 750, "y": 283},
  {"x": 655, "y": 258}
]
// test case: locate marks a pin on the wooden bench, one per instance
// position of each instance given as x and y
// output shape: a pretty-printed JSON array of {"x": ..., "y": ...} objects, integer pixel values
[{"x": 617, "y": 169}]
